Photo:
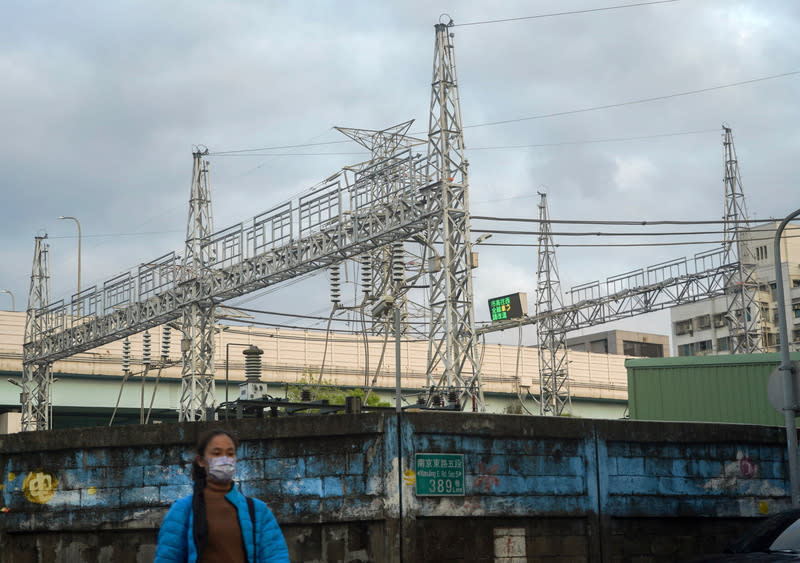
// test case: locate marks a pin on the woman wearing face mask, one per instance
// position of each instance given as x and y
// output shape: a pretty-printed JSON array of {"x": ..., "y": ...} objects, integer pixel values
[{"x": 217, "y": 523}]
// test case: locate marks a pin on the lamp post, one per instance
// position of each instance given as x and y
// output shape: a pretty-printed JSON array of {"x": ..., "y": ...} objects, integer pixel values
[
  {"x": 13, "y": 304},
  {"x": 79, "y": 247}
]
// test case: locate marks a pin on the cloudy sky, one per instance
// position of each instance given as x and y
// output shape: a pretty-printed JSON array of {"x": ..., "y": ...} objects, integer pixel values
[{"x": 102, "y": 102}]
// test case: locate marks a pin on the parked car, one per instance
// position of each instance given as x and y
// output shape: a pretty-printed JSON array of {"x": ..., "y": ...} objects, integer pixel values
[{"x": 775, "y": 539}]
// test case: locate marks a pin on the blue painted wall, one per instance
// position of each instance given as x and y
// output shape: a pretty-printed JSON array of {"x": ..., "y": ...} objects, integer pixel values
[{"x": 344, "y": 468}]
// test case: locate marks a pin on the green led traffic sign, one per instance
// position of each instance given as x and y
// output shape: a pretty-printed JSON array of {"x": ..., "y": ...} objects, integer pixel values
[
  {"x": 508, "y": 307},
  {"x": 440, "y": 475}
]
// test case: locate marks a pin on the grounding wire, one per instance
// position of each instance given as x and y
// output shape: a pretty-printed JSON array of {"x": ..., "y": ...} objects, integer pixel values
[{"x": 570, "y": 13}]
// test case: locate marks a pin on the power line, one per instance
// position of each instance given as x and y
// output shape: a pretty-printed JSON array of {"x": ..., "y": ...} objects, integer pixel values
[
  {"x": 633, "y": 102},
  {"x": 612, "y": 245},
  {"x": 593, "y": 233},
  {"x": 574, "y": 12},
  {"x": 616, "y": 222},
  {"x": 592, "y": 141}
]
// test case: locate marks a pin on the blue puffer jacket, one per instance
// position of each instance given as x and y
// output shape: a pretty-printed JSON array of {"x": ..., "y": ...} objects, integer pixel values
[{"x": 176, "y": 542}]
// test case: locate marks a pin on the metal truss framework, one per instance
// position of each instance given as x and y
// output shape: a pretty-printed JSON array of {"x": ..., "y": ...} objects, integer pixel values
[
  {"x": 334, "y": 222},
  {"x": 743, "y": 310},
  {"x": 379, "y": 268},
  {"x": 452, "y": 344},
  {"x": 640, "y": 291},
  {"x": 551, "y": 335},
  {"x": 197, "y": 323},
  {"x": 37, "y": 376}
]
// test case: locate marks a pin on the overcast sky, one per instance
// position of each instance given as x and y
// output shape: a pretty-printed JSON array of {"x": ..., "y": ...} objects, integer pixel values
[{"x": 102, "y": 102}]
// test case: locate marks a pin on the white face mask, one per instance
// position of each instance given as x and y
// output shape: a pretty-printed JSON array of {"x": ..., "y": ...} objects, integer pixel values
[{"x": 221, "y": 469}]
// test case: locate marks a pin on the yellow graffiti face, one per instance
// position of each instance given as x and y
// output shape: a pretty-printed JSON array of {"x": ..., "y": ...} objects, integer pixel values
[{"x": 39, "y": 487}]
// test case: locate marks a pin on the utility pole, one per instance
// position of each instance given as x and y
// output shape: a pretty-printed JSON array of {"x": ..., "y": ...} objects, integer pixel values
[
  {"x": 743, "y": 314},
  {"x": 550, "y": 330},
  {"x": 452, "y": 354},
  {"x": 37, "y": 377},
  {"x": 198, "y": 395}
]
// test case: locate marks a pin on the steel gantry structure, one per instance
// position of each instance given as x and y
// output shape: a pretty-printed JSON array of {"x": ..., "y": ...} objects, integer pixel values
[
  {"x": 729, "y": 272},
  {"x": 347, "y": 217},
  {"x": 397, "y": 198}
]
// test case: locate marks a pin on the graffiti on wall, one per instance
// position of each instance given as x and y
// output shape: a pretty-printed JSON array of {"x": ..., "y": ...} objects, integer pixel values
[
  {"x": 39, "y": 486},
  {"x": 743, "y": 471}
]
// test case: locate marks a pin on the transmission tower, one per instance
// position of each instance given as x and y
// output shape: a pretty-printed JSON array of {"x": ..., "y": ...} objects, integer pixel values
[
  {"x": 452, "y": 355},
  {"x": 743, "y": 310},
  {"x": 380, "y": 268},
  {"x": 37, "y": 376},
  {"x": 550, "y": 330},
  {"x": 197, "y": 324}
]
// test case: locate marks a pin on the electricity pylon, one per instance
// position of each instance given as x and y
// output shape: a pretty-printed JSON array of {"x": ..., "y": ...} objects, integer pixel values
[
  {"x": 453, "y": 365},
  {"x": 744, "y": 311},
  {"x": 197, "y": 346},
  {"x": 550, "y": 330},
  {"x": 37, "y": 376}
]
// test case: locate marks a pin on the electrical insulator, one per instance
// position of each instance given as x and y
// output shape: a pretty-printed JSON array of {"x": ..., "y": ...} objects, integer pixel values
[
  {"x": 126, "y": 355},
  {"x": 336, "y": 285},
  {"x": 366, "y": 273},
  {"x": 165, "y": 336},
  {"x": 146, "y": 348},
  {"x": 252, "y": 363},
  {"x": 398, "y": 267}
]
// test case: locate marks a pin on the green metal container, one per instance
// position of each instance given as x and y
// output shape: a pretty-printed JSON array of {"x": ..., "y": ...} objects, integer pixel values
[{"x": 731, "y": 388}]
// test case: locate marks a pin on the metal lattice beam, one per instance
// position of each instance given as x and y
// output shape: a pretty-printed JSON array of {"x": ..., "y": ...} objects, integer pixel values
[{"x": 285, "y": 242}]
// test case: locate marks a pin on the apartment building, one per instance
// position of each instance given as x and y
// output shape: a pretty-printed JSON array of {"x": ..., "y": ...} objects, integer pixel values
[{"x": 701, "y": 328}]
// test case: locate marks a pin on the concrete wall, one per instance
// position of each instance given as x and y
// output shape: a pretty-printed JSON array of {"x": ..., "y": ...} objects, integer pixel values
[{"x": 539, "y": 488}]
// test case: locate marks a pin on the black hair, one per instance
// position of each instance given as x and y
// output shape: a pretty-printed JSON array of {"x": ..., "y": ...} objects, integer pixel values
[{"x": 199, "y": 476}]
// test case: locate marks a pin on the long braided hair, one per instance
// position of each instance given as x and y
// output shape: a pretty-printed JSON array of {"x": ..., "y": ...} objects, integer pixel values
[{"x": 200, "y": 477}]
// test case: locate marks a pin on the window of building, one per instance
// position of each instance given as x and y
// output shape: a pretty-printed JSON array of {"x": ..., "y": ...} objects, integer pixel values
[
  {"x": 598, "y": 346},
  {"x": 703, "y": 322},
  {"x": 702, "y": 348},
  {"x": 719, "y": 320},
  {"x": 796, "y": 310},
  {"x": 683, "y": 327},
  {"x": 796, "y": 283},
  {"x": 685, "y": 350},
  {"x": 761, "y": 252},
  {"x": 642, "y": 349},
  {"x": 723, "y": 344}
]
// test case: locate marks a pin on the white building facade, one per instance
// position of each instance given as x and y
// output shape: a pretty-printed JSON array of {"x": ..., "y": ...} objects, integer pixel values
[{"x": 701, "y": 328}]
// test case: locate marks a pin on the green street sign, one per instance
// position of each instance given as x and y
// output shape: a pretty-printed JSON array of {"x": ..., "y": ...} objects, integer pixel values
[{"x": 440, "y": 474}]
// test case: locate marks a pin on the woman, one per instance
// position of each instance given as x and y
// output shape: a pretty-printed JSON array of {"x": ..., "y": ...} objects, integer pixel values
[{"x": 218, "y": 523}]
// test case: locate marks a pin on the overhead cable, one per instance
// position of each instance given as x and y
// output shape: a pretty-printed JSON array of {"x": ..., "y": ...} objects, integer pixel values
[{"x": 570, "y": 13}]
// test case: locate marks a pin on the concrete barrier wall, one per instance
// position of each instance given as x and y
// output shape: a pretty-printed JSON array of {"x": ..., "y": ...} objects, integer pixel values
[{"x": 553, "y": 489}]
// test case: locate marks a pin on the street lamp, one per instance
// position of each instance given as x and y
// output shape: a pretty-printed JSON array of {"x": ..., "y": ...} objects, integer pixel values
[
  {"x": 79, "y": 247},
  {"x": 13, "y": 304}
]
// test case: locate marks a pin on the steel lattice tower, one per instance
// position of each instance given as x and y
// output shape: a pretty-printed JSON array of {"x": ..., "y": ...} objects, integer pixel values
[
  {"x": 383, "y": 145},
  {"x": 550, "y": 330},
  {"x": 744, "y": 311},
  {"x": 197, "y": 346},
  {"x": 453, "y": 365},
  {"x": 37, "y": 377}
]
